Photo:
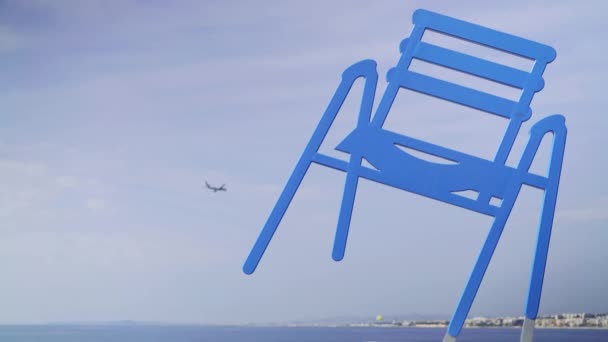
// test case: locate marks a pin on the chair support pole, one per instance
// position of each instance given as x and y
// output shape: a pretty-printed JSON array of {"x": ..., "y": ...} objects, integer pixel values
[
  {"x": 366, "y": 69},
  {"x": 483, "y": 260},
  {"x": 556, "y": 125},
  {"x": 346, "y": 209}
]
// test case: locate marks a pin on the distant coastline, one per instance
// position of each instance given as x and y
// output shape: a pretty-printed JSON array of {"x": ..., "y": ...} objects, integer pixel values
[{"x": 557, "y": 321}]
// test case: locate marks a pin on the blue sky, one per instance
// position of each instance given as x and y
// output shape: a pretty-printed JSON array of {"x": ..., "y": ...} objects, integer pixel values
[{"x": 114, "y": 113}]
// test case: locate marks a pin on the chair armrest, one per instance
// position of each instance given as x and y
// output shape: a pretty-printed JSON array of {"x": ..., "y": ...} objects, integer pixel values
[
  {"x": 366, "y": 69},
  {"x": 555, "y": 124}
]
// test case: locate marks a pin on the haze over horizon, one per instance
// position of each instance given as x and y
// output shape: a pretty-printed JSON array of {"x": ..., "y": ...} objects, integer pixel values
[{"x": 114, "y": 113}]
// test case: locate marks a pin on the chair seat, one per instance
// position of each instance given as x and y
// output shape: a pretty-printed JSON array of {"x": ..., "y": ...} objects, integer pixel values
[{"x": 398, "y": 168}]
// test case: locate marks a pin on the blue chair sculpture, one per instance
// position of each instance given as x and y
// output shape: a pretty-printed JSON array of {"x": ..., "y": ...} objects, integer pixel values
[{"x": 395, "y": 167}]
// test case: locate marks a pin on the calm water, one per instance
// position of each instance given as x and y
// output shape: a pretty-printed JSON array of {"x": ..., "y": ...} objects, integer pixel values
[{"x": 238, "y": 334}]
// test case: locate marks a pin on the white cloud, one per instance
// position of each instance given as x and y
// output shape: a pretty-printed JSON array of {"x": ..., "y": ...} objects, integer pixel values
[
  {"x": 96, "y": 204},
  {"x": 585, "y": 212},
  {"x": 68, "y": 182},
  {"x": 11, "y": 41},
  {"x": 35, "y": 194},
  {"x": 25, "y": 186}
]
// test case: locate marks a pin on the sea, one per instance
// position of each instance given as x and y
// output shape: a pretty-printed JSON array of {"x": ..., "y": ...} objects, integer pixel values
[{"x": 163, "y": 333}]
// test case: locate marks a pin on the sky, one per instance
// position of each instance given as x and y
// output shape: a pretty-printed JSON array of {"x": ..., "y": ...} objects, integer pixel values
[{"x": 114, "y": 113}]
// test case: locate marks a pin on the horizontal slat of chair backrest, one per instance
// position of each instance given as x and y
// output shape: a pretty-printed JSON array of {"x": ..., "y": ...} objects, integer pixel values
[
  {"x": 483, "y": 35},
  {"x": 528, "y": 82},
  {"x": 458, "y": 94},
  {"x": 414, "y": 48},
  {"x": 472, "y": 65}
]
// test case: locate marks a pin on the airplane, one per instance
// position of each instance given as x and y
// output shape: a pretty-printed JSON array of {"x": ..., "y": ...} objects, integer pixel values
[{"x": 216, "y": 189}]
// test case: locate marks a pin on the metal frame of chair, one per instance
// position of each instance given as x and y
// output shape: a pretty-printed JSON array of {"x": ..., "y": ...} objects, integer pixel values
[{"x": 396, "y": 168}]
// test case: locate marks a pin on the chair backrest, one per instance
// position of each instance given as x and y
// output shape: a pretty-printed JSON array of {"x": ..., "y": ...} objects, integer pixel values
[{"x": 529, "y": 82}]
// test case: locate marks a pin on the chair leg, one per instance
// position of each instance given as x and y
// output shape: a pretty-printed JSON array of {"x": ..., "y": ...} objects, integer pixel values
[
  {"x": 555, "y": 124},
  {"x": 483, "y": 260},
  {"x": 346, "y": 209},
  {"x": 540, "y": 260},
  {"x": 449, "y": 338},
  {"x": 365, "y": 69},
  {"x": 527, "y": 330},
  {"x": 277, "y": 213}
]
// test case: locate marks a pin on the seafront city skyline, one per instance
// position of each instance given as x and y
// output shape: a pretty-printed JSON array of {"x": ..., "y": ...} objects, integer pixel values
[{"x": 561, "y": 320}]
